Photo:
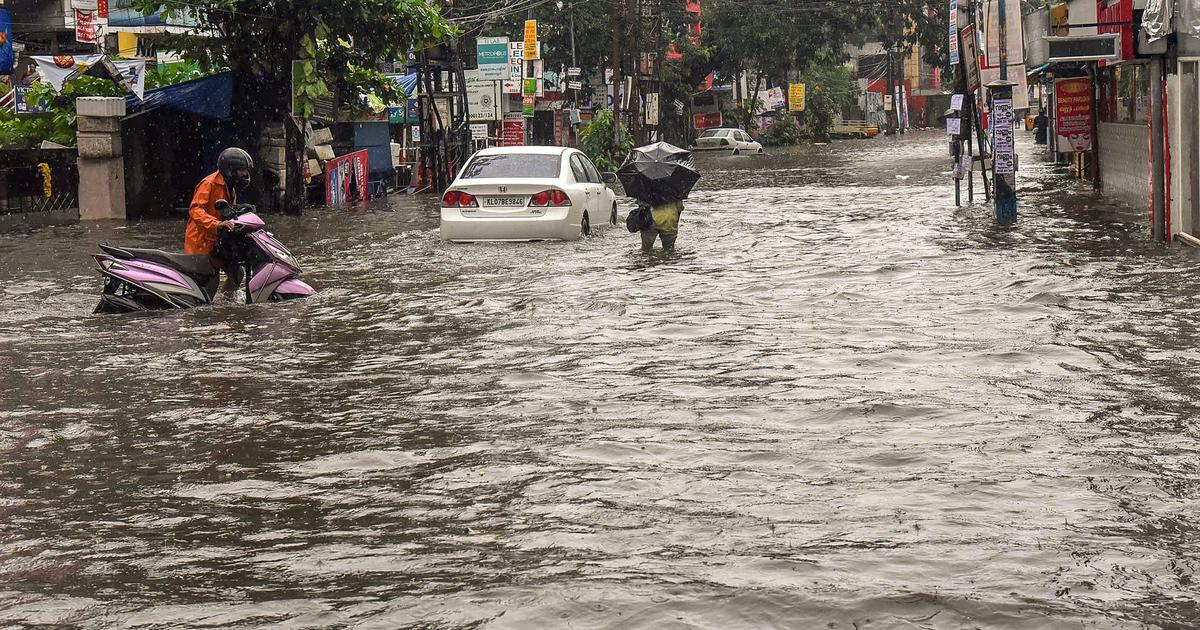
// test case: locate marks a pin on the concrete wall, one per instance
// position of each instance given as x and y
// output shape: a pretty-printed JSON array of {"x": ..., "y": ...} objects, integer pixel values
[{"x": 1124, "y": 153}]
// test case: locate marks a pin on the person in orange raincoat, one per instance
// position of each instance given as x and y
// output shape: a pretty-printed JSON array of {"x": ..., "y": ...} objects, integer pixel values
[{"x": 233, "y": 174}]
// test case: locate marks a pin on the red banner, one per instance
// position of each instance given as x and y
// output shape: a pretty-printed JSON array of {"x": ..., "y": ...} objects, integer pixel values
[
  {"x": 514, "y": 131},
  {"x": 1073, "y": 114},
  {"x": 85, "y": 27},
  {"x": 706, "y": 121},
  {"x": 346, "y": 179}
]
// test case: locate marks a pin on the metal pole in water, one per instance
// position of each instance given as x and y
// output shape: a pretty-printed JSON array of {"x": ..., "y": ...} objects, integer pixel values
[{"x": 1004, "y": 172}]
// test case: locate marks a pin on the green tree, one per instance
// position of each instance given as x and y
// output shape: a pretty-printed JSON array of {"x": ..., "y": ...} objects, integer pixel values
[
  {"x": 600, "y": 144},
  {"x": 828, "y": 90}
]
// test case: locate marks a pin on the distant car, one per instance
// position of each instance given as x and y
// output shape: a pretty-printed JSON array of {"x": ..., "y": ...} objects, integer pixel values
[
  {"x": 527, "y": 194},
  {"x": 724, "y": 139}
]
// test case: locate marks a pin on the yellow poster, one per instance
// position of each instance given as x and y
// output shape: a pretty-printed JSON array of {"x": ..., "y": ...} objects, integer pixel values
[
  {"x": 531, "y": 47},
  {"x": 796, "y": 97}
]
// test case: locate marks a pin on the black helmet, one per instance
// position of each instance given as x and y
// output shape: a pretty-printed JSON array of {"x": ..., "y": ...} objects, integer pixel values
[{"x": 231, "y": 160}]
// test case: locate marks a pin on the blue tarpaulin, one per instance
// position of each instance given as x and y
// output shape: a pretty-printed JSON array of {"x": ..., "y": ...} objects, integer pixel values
[
  {"x": 406, "y": 82},
  {"x": 209, "y": 97}
]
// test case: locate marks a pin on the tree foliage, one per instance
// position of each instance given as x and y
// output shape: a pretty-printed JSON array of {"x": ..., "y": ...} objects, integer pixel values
[
  {"x": 599, "y": 142},
  {"x": 829, "y": 90},
  {"x": 340, "y": 44}
]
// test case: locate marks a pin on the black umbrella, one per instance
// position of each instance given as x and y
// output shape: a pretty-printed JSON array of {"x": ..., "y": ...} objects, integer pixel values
[{"x": 658, "y": 173}]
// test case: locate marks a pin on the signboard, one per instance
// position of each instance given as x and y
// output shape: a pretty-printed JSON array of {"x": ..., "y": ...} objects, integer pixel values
[
  {"x": 23, "y": 106},
  {"x": 509, "y": 86},
  {"x": 953, "y": 126},
  {"x": 775, "y": 98},
  {"x": 513, "y": 133},
  {"x": 85, "y": 26},
  {"x": 652, "y": 109},
  {"x": 574, "y": 72},
  {"x": 1106, "y": 47},
  {"x": 346, "y": 179},
  {"x": 1002, "y": 136},
  {"x": 516, "y": 61},
  {"x": 887, "y": 102},
  {"x": 956, "y": 102},
  {"x": 531, "y": 40},
  {"x": 953, "y": 32},
  {"x": 528, "y": 105},
  {"x": 970, "y": 57},
  {"x": 1073, "y": 116},
  {"x": 796, "y": 97},
  {"x": 575, "y": 85},
  {"x": 479, "y": 131},
  {"x": 706, "y": 121},
  {"x": 529, "y": 87},
  {"x": 492, "y": 53},
  {"x": 483, "y": 97}
]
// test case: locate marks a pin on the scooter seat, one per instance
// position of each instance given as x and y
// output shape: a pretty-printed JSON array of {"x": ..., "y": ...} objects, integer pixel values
[{"x": 195, "y": 265}]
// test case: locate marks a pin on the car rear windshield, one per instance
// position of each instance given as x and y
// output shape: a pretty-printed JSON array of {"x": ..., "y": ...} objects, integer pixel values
[
  {"x": 713, "y": 133},
  {"x": 513, "y": 165}
]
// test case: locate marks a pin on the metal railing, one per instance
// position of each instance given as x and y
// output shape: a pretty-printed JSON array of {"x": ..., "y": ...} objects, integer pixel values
[{"x": 38, "y": 180}]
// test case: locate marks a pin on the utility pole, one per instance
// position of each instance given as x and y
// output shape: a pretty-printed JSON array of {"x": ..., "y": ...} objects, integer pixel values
[
  {"x": 891, "y": 95},
  {"x": 617, "y": 28},
  {"x": 1157, "y": 151},
  {"x": 1004, "y": 172}
]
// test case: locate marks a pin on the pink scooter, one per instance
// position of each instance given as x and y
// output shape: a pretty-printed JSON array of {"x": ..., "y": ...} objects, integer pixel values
[{"x": 151, "y": 279}]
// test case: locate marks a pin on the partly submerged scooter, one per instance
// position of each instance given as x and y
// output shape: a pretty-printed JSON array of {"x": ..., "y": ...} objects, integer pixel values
[{"x": 151, "y": 279}]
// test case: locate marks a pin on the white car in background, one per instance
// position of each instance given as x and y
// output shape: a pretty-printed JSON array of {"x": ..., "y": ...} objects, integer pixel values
[
  {"x": 527, "y": 194},
  {"x": 726, "y": 139}
]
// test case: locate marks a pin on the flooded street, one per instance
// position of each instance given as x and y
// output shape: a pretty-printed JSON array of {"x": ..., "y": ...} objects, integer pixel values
[{"x": 843, "y": 403}]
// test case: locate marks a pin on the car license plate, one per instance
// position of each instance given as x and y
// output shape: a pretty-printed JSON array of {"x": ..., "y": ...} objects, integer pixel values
[{"x": 504, "y": 202}]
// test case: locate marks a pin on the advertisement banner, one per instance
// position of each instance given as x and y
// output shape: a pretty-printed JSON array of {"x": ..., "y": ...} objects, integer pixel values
[
  {"x": 516, "y": 61},
  {"x": 706, "y": 121},
  {"x": 531, "y": 40},
  {"x": 528, "y": 105},
  {"x": 483, "y": 97},
  {"x": 1002, "y": 136},
  {"x": 479, "y": 132},
  {"x": 346, "y": 179},
  {"x": 970, "y": 57},
  {"x": 85, "y": 26},
  {"x": 796, "y": 97},
  {"x": 59, "y": 69},
  {"x": 492, "y": 53},
  {"x": 6, "y": 44},
  {"x": 953, "y": 32},
  {"x": 513, "y": 133},
  {"x": 1073, "y": 115}
]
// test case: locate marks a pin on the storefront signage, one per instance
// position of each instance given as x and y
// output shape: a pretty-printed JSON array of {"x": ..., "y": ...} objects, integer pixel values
[
  {"x": 479, "y": 132},
  {"x": 1073, "y": 114}
]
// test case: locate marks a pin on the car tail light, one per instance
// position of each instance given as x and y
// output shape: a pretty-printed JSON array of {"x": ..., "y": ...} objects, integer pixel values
[
  {"x": 550, "y": 198},
  {"x": 459, "y": 199}
]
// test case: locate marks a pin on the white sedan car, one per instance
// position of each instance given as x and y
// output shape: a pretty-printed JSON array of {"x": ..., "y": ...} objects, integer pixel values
[
  {"x": 527, "y": 194},
  {"x": 725, "y": 139}
]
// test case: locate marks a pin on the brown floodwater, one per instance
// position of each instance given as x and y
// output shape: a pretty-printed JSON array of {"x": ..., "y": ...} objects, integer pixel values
[{"x": 843, "y": 403}]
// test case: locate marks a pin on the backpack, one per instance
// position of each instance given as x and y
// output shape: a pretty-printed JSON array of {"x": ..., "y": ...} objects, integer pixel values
[{"x": 639, "y": 219}]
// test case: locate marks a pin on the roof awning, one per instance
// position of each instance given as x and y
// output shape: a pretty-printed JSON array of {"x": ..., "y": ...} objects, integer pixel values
[
  {"x": 209, "y": 97},
  {"x": 1038, "y": 70}
]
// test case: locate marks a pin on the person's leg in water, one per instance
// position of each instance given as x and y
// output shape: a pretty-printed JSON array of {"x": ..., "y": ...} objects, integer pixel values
[
  {"x": 648, "y": 236},
  {"x": 668, "y": 241},
  {"x": 233, "y": 279}
]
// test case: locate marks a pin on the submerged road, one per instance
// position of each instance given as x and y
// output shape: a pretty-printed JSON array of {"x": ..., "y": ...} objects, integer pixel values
[{"x": 843, "y": 403}]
